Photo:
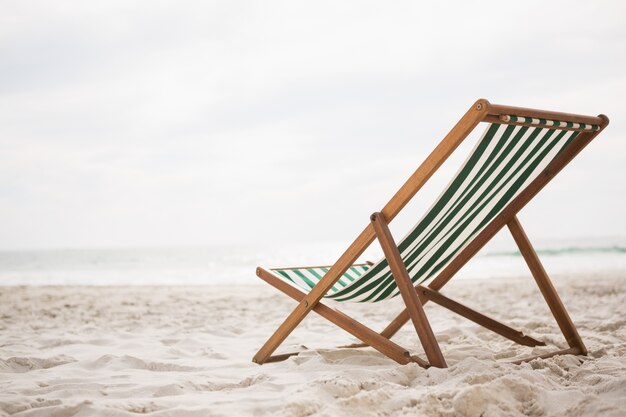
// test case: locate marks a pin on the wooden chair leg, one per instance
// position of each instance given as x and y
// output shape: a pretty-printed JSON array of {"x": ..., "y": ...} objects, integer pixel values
[
  {"x": 569, "y": 351},
  {"x": 408, "y": 292},
  {"x": 545, "y": 286}
]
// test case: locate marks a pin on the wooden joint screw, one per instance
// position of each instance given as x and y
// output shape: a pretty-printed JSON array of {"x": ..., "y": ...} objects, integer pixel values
[{"x": 479, "y": 106}]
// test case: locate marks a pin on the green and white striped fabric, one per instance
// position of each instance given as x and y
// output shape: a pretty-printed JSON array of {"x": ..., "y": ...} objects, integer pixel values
[
  {"x": 503, "y": 162},
  {"x": 545, "y": 122},
  {"x": 307, "y": 277}
]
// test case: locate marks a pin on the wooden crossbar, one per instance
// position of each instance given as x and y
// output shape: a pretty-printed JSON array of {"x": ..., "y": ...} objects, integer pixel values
[
  {"x": 500, "y": 110},
  {"x": 427, "y": 294},
  {"x": 317, "y": 266},
  {"x": 479, "y": 318}
]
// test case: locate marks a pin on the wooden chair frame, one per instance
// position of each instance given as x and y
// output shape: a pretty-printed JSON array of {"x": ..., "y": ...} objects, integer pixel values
[{"x": 415, "y": 297}]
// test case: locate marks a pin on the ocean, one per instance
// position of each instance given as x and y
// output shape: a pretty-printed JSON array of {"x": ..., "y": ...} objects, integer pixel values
[{"x": 236, "y": 264}]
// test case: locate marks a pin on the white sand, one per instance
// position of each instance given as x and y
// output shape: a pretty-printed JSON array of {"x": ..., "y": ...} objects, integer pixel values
[{"x": 185, "y": 351}]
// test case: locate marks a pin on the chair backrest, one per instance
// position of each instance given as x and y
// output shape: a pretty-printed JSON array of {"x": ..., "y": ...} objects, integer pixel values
[
  {"x": 517, "y": 155},
  {"x": 506, "y": 159}
]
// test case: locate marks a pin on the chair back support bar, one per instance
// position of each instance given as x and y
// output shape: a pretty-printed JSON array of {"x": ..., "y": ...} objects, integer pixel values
[{"x": 500, "y": 110}]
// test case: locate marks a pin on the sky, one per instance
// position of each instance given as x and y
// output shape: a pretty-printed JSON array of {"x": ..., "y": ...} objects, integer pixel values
[{"x": 168, "y": 123}]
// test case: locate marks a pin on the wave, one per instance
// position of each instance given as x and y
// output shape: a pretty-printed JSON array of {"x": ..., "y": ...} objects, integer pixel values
[{"x": 571, "y": 250}]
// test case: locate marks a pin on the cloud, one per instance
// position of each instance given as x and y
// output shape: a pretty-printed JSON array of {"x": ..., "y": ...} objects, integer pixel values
[{"x": 163, "y": 123}]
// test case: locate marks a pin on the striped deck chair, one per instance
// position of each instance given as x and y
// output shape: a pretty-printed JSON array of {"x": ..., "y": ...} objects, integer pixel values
[{"x": 520, "y": 151}]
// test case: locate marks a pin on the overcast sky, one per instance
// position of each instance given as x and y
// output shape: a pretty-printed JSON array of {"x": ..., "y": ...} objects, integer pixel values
[{"x": 144, "y": 123}]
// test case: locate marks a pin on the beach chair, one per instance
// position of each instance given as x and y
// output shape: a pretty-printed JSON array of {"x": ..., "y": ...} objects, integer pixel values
[{"x": 520, "y": 151}]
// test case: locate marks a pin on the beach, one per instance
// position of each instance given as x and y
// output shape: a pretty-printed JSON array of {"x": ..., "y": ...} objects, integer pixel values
[
  {"x": 186, "y": 351},
  {"x": 154, "y": 155}
]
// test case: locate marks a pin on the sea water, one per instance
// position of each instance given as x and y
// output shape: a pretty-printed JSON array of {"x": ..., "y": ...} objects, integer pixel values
[{"x": 236, "y": 264}]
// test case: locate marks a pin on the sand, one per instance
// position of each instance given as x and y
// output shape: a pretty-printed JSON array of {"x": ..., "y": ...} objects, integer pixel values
[{"x": 185, "y": 351}]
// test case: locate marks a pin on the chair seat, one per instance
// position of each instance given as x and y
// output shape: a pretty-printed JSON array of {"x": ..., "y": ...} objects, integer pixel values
[{"x": 307, "y": 277}]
